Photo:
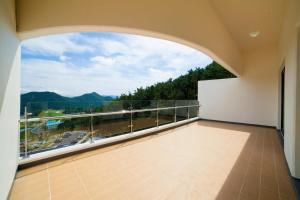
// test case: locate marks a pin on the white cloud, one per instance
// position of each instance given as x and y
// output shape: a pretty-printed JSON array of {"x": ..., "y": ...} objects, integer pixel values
[
  {"x": 41, "y": 75},
  {"x": 141, "y": 52},
  {"x": 55, "y": 45},
  {"x": 63, "y": 58},
  {"x": 106, "y": 61},
  {"x": 108, "y": 66},
  {"x": 111, "y": 47}
]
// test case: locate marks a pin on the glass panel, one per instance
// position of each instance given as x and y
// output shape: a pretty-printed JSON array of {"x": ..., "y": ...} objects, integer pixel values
[
  {"x": 59, "y": 108},
  {"x": 186, "y": 102},
  {"x": 67, "y": 107},
  {"x": 144, "y": 120},
  {"x": 111, "y": 125},
  {"x": 194, "y": 112},
  {"x": 193, "y": 102},
  {"x": 22, "y": 139},
  {"x": 181, "y": 114},
  {"x": 35, "y": 132},
  {"x": 166, "y": 103},
  {"x": 144, "y": 104},
  {"x": 166, "y": 116},
  {"x": 57, "y": 133},
  {"x": 34, "y": 108},
  {"x": 113, "y": 106},
  {"x": 52, "y": 134},
  {"x": 182, "y": 102}
]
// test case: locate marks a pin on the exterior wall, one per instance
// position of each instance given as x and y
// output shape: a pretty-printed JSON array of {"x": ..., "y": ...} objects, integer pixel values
[
  {"x": 175, "y": 20},
  {"x": 297, "y": 132},
  {"x": 255, "y": 96},
  {"x": 251, "y": 98},
  {"x": 9, "y": 96},
  {"x": 288, "y": 56}
]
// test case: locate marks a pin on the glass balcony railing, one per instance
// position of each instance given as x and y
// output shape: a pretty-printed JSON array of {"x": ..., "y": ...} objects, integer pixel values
[{"x": 47, "y": 126}]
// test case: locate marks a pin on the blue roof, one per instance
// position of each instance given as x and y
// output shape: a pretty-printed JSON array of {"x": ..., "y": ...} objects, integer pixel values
[{"x": 53, "y": 123}]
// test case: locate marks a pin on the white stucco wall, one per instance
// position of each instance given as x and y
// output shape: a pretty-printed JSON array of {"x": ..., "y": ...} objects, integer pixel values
[
  {"x": 254, "y": 97},
  {"x": 9, "y": 96},
  {"x": 251, "y": 98},
  {"x": 288, "y": 55}
]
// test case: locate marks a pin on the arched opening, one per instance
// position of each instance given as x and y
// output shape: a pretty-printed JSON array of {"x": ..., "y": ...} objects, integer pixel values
[
  {"x": 174, "y": 166},
  {"x": 99, "y": 73},
  {"x": 125, "y": 30}
]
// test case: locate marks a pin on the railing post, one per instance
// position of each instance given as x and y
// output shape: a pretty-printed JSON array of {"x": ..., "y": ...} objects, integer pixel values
[
  {"x": 131, "y": 123},
  {"x": 92, "y": 128},
  {"x": 157, "y": 122},
  {"x": 28, "y": 121},
  {"x": 25, "y": 138},
  {"x": 175, "y": 119}
]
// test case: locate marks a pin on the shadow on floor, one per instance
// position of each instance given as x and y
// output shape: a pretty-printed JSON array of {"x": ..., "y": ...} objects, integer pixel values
[{"x": 260, "y": 171}]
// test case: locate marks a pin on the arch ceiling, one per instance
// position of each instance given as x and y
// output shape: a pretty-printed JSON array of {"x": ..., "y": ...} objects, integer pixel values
[{"x": 205, "y": 25}]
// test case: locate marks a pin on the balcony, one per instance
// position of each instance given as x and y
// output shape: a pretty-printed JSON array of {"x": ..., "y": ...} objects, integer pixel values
[
  {"x": 256, "y": 40},
  {"x": 48, "y": 133},
  {"x": 199, "y": 160}
]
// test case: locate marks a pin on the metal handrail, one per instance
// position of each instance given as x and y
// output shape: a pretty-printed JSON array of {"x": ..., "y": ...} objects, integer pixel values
[
  {"x": 70, "y": 116},
  {"x": 91, "y": 115}
]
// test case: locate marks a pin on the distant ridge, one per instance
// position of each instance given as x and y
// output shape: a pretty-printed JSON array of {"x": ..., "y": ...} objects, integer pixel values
[
  {"x": 37, "y": 101},
  {"x": 93, "y": 96}
]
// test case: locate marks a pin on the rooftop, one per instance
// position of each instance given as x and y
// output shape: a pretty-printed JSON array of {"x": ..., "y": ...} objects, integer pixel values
[{"x": 200, "y": 160}]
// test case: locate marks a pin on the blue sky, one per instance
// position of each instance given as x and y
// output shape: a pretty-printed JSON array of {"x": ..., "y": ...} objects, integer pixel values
[{"x": 106, "y": 63}]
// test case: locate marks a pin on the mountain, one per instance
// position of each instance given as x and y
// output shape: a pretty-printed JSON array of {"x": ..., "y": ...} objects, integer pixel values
[
  {"x": 92, "y": 97},
  {"x": 38, "y": 101},
  {"x": 182, "y": 88},
  {"x": 41, "y": 97}
]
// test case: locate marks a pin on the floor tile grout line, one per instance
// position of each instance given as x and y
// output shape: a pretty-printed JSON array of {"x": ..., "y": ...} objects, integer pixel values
[
  {"x": 246, "y": 171},
  {"x": 75, "y": 158},
  {"x": 260, "y": 139},
  {"x": 80, "y": 180},
  {"x": 49, "y": 186},
  {"x": 261, "y": 166}
]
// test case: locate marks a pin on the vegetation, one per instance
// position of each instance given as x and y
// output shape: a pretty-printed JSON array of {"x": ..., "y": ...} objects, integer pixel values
[
  {"x": 37, "y": 102},
  {"x": 182, "y": 88},
  {"x": 51, "y": 113}
]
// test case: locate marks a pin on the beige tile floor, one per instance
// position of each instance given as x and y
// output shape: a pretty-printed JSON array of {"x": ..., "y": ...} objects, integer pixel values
[{"x": 201, "y": 160}]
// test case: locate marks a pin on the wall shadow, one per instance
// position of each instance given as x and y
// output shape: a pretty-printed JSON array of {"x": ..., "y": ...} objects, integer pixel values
[{"x": 260, "y": 171}]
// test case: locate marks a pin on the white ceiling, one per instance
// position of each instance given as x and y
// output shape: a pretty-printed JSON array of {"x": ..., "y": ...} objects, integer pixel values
[{"x": 244, "y": 16}]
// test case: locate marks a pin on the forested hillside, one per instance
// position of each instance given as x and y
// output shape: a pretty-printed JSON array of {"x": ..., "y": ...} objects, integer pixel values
[
  {"x": 182, "y": 88},
  {"x": 37, "y": 102}
]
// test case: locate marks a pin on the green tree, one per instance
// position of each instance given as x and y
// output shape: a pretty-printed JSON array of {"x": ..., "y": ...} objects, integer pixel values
[{"x": 182, "y": 88}]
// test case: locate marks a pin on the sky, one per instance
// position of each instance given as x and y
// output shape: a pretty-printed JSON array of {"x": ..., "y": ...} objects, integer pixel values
[{"x": 107, "y": 63}]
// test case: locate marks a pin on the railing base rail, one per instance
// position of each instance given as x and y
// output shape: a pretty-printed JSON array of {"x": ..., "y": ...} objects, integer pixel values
[{"x": 47, "y": 155}]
